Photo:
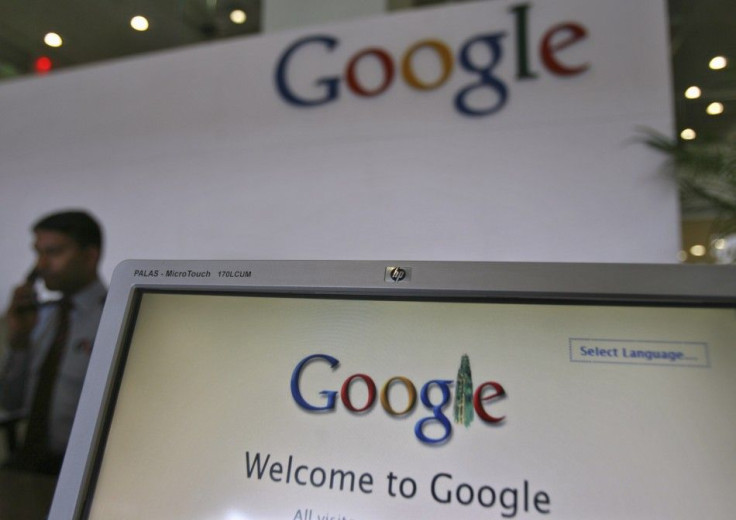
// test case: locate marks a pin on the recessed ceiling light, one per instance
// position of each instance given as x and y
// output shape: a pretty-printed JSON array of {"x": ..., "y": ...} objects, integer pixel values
[
  {"x": 139, "y": 23},
  {"x": 714, "y": 108},
  {"x": 53, "y": 40},
  {"x": 688, "y": 134},
  {"x": 698, "y": 250},
  {"x": 693, "y": 92},
  {"x": 718, "y": 63},
  {"x": 238, "y": 16}
]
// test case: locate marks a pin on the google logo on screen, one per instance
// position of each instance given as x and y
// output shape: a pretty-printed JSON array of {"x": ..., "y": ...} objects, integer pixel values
[
  {"x": 432, "y": 429},
  {"x": 328, "y": 88}
]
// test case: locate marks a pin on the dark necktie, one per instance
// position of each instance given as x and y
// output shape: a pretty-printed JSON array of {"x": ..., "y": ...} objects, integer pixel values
[{"x": 37, "y": 435}]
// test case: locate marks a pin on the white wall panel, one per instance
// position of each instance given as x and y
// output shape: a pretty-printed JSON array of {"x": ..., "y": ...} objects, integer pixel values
[{"x": 193, "y": 154}]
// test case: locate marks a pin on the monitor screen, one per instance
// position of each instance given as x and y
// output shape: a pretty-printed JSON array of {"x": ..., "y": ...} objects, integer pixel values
[{"x": 408, "y": 397}]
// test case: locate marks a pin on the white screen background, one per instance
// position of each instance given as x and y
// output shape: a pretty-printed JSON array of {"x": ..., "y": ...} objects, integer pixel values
[{"x": 207, "y": 379}]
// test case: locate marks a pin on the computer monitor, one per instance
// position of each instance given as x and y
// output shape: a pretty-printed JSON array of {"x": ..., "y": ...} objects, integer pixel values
[{"x": 309, "y": 390}]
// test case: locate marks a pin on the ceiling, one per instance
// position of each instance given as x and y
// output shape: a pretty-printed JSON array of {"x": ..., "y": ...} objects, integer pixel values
[
  {"x": 96, "y": 30},
  {"x": 701, "y": 29}
]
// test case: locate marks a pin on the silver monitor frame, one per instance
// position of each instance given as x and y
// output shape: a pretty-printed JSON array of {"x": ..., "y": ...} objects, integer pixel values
[{"x": 536, "y": 282}]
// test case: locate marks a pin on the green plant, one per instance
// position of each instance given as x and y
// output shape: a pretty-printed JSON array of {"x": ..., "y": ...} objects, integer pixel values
[
  {"x": 706, "y": 175},
  {"x": 705, "y": 172}
]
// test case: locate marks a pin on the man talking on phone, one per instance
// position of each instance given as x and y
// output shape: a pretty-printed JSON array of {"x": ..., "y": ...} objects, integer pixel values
[{"x": 49, "y": 344}]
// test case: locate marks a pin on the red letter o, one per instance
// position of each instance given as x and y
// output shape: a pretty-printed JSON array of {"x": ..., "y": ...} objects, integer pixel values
[
  {"x": 388, "y": 72},
  {"x": 345, "y": 392}
]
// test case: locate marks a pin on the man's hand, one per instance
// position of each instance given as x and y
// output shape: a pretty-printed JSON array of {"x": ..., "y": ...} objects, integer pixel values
[{"x": 22, "y": 316}]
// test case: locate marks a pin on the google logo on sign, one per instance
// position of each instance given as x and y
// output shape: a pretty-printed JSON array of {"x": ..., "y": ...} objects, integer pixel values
[{"x": 552, "y": 43}]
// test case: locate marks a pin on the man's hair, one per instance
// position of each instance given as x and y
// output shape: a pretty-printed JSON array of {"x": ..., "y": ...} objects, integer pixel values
[{"x": 78, "y": 225}]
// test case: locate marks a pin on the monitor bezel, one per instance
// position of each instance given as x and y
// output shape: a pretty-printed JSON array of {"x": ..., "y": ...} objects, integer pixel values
[{"x": 551, "y": 283}]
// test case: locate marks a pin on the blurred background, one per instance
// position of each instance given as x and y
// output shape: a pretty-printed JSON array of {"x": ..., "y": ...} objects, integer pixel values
[{"x": 39, "y": 37}]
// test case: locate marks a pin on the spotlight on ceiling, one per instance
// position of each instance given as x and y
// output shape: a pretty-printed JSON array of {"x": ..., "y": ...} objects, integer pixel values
[
  {"x": 714, "y": 108},
  {"x": 238, "y": 16},
  {"x": 693, "y": 92},
  {"x": 139, "y": 23},
  {"x": 688, "y": 134},
  {"x": 53, "y": 40},
  {"x": 718, "y": 63}
]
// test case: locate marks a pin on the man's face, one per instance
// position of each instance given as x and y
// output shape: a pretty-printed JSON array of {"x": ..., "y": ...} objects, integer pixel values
[{"x": 62, "y": 263}]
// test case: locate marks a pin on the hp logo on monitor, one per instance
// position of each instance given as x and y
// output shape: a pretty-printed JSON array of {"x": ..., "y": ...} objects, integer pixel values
[{"x": 397, "y": 274}]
